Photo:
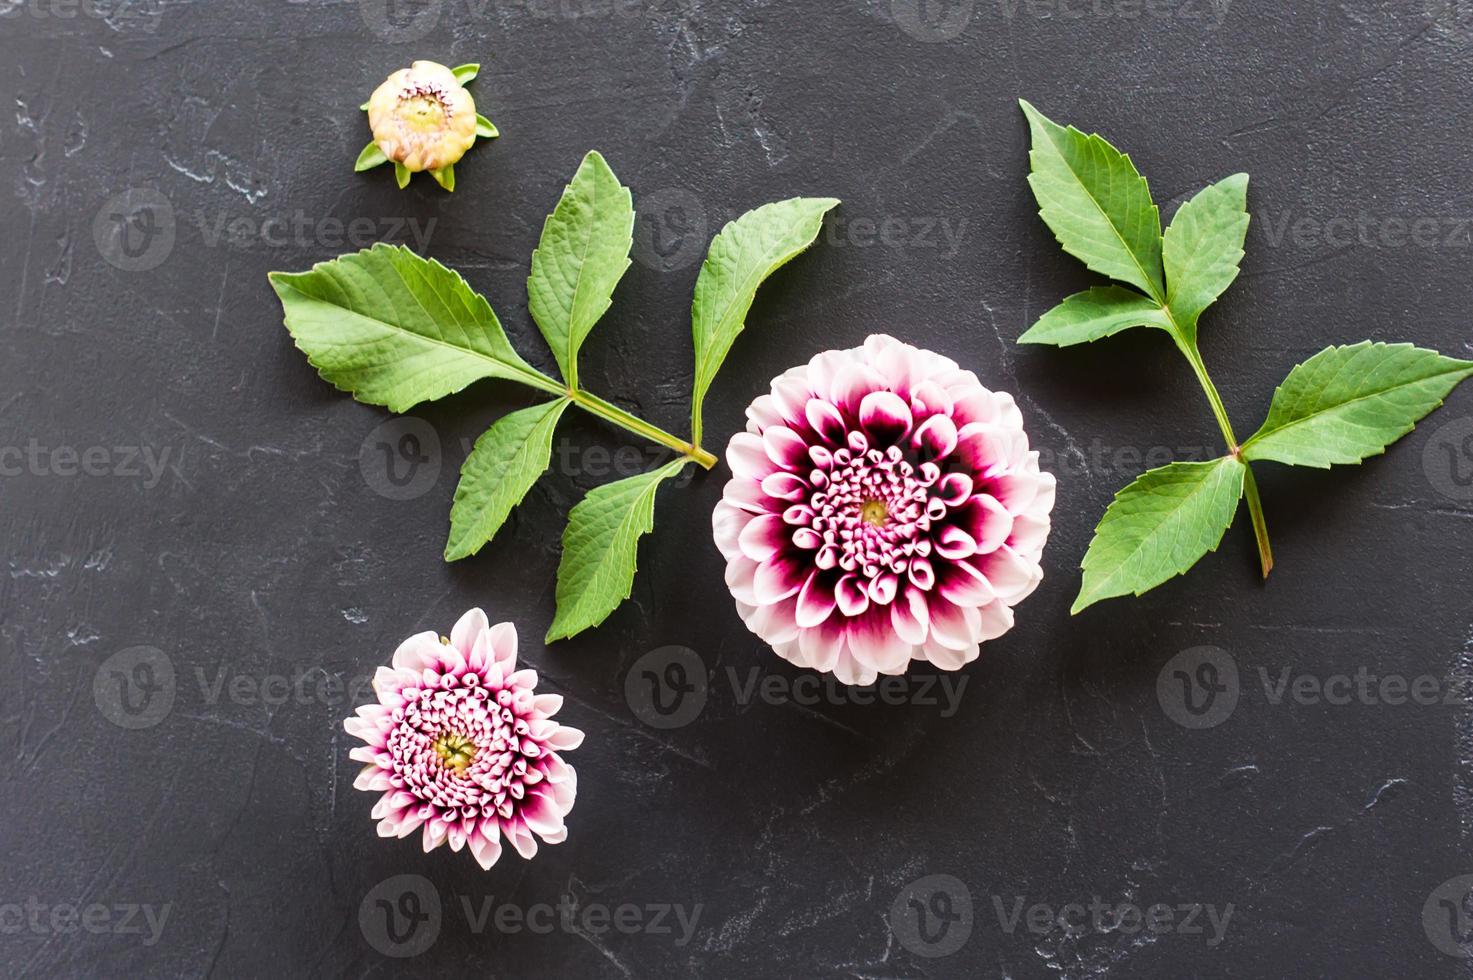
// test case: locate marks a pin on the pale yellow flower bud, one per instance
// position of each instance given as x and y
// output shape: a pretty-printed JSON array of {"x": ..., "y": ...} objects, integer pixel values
[{"x": 422, "y": 117}]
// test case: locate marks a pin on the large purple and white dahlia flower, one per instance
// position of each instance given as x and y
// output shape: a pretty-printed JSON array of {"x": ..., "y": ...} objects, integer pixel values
[
  {"x": 461, "y": 746},
  {"x": 884, "y": 507}
]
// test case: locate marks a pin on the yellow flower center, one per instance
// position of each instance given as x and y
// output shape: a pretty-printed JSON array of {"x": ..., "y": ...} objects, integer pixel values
[
  {"x": 455, "y": 751},
  {"x": 875, "y": 512},
  {"x": 422, "y": 112}
]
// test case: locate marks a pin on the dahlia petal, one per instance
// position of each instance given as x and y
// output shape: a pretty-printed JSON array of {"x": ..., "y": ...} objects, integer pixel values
[
  {"x": 565, "y": 739},
  {"x": 982, "y": 448},
  {"x": 825, "y": 420},
  {"x": 434, "y": 834},
  {"x": 520, "y": 838},
  {"x": 367, "y": 730},
  {"x": 776, "y": 623},
  {"x": 986, "y": 520},
  {"x": 954, "y": 543},
  {"x": 418, "y": 652},
  {"x": 486, "y": 852},
  {"x": 954, "y": 489},
  {"x": 541, "y": 814},
  {"x": 789, "y": 395},
  {"x": 936, "y": 437},
  {"x": 470, "y": 625},
  {"x": 853, "y": 382},
  {"x": 1029, "y": 534},
  {"x": 747, "y": 457},
  {"x": 747, "y": 496},
  {"x": 371, "y": 778},
  {"x": 824, "y": 368},
  {"x": 909, "y": 616},
  {"x": 815, "y": 602},
  {"x": 365, "y": 753},
  {"x": 882, "y": 588},
  {"x": 501, "y": 646},
  {"x": 386, "y": 681},
  {"x": 848, "y": 670},
  {"x": 1043, "y": 500},
  {"x": 851, "y": 595},
  {"x": 764, "y": 411},
  {"x": 786, "y": 486},
  {"x": 1017, "y": 491},
  {"x": 885, "y": 416},
  {"x": 962, "y": 584},
  {"x": 947, "y": 658},
  {"x": 921, "y": 574},
  {"x": 996, "y": 618},
  {"x": 954, "y": 627},
  {"x": 547, "y": 704},
  {"x": 776, "y": 579},
  {"x": 929, "y": 398},
  {"x": 785, "y": 448},
  {"x": 741, "y": 573},
  {"x": 1009, "y": 572},
  {"x": 822, "y": 645},
  {"x": 763, "y": 537},
  {"x": 876, "y": 645},
  {"x": 727, "y": 522}
]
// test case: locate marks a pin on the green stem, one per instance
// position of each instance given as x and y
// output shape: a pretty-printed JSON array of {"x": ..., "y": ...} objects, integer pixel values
[
  {"x": 1250, "y": 485},
  {"x": 613, "y": 413}
]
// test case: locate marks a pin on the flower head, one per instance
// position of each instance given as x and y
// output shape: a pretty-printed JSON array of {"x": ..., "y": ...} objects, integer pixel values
[
  {"x": 422, "y": 117},
  {"x": 884, "y": 507},
  {"x": 460, "y": 746}
]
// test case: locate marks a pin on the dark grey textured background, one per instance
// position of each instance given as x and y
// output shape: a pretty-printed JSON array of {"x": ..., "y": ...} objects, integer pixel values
[{"x": 263, "y": 553}]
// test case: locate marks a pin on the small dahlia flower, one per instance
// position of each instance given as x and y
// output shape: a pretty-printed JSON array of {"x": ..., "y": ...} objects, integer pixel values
[
  {"x": 884, "y": 507},
  {"x": 423, "y": 118},
  {"x": 461, "y": 746}
]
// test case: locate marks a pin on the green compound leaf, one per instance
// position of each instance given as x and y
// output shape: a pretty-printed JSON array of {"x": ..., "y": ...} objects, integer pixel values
[
  {"x": 395, "y": 329},
  {"x": 1203, "y": 248},
  {"x": 1095, "y": 313},
  {"x": 1096, "y": 203},
  {"x": 501, "y": 468},
  {"x": 583, "y": 253},
  {"x": 445, "y": 176},
  {"x": 742, "y": 255},
  {"x": 485, "y": 129},
  {"x": 464, "y": 73},
  {"x": 1348, "y": 403},
  {"x": 1159, "y": 526},
  {"x": 402, "y": 175},
  {"x": 371, "y": 157},
  {"x": 600, "y": 546}
]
